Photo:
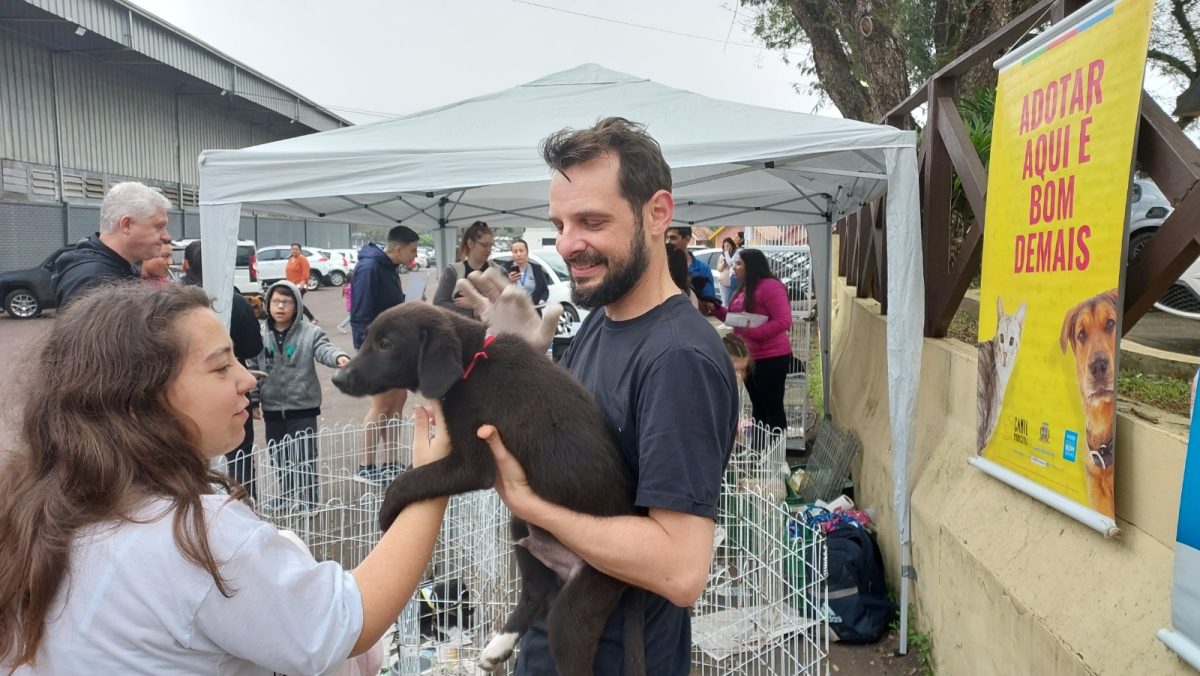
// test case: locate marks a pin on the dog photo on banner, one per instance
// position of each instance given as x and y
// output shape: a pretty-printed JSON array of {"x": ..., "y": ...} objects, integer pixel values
[{"x": 1053, "y": 256}]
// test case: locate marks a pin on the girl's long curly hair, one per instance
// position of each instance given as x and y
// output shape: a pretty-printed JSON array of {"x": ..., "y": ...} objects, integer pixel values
[{"x": 99, "y": 440}]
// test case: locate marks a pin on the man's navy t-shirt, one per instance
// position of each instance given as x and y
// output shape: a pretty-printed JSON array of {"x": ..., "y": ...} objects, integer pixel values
[{"x": 666, "y": 386}]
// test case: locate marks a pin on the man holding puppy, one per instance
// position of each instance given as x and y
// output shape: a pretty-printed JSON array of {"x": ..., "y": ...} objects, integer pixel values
[{"x": 610, "y": 198}]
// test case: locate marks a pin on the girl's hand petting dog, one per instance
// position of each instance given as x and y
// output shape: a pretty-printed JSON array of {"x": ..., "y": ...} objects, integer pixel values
[
  {"x": 429, "y": 447},
  {"x": 505, "y": 308}
]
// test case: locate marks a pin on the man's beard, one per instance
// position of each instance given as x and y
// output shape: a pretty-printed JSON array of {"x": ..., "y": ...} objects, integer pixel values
[{"x": 619, "y": 279}]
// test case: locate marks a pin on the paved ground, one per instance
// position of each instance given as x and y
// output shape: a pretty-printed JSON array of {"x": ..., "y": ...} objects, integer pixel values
[
  {"x": 876, "y": 659},
  {"x": 1167, "y": 332}
]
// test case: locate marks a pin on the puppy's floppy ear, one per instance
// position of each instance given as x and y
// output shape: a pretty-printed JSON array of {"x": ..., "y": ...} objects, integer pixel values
[
  {"x": 1110, "y": 296},
  {"x": 439, "y": 362},
  {"x": 1068, "y": 329}
]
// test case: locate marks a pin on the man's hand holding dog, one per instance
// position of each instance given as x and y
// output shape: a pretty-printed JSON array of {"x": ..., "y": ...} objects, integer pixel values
[
  {"x": 505, "y": 308},
  {"x": 511, "y": 483},
  {"x": 428, "y": 447}
]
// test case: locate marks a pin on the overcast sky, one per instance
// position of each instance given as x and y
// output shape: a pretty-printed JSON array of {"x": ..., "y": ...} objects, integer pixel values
[
  {"x": 402, "y": 56},
  {"x": 370, "y": 59}
]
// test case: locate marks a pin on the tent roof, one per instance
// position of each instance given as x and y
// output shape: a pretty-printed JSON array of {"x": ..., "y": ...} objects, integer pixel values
[{"x": 482, "y": 155}]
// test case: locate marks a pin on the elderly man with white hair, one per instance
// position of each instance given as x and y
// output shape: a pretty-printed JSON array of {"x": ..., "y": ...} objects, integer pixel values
[{"x": 133, "y": 227}]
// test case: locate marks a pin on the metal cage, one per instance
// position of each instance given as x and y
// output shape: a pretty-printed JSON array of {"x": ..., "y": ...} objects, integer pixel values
[{"x": 759, "y": 614}]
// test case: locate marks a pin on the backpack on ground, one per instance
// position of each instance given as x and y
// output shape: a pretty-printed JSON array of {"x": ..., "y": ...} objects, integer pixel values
[{"x": 859, "y": 608}]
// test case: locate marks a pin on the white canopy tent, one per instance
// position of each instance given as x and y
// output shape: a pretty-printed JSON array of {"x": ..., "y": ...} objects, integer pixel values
[{"x": 732, "y": 164}]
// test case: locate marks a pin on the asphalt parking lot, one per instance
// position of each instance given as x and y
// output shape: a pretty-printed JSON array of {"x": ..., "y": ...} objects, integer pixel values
[{"x": 21, "y": 339}]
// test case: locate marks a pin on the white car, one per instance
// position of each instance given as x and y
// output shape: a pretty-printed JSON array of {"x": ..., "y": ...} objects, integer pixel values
[
  {"x": 272, "y": 265},
  {"x": 559, "y": 279},
  {"x": 339, "y": 266},
  {"x": 1148, "y": 208},
  {"x": 245, "y": 270}
]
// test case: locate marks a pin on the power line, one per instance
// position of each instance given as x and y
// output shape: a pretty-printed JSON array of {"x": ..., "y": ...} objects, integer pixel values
[{"x": 645, "y": 27}]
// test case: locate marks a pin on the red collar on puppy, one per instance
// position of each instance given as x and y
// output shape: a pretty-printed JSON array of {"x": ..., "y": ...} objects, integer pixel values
[{"x": 478, "y": 355}]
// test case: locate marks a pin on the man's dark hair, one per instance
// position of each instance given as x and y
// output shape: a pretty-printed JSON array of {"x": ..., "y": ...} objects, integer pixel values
[
  {"x": 685, "y": 231},
  {"x": 402, "y": 234},
  {"x": 643, "y": 171},
  {"x": 295, "y": 244},
  {"x": 194, "y": 258}
]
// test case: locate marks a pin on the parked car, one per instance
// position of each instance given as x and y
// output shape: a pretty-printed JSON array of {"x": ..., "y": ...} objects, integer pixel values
[
  {"x": 421, "y": 260},
  {"x": 245, "y": 266},
  {"x": 339, "y": 266},
  {"x": 272, "y": 265},
  {"x": 27, "y": 293},
  {"x": 351, "y": 257},
  {"x": 430, "y": 255},
  {"x": 559, "y": 285},
  {"x": 1148, "y": 208}
]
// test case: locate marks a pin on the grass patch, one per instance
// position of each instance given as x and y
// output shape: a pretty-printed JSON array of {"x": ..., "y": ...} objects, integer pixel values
[
  {"x": 918, "y": 642},
  {"x": 964, "y": 327},
  {"x": 1162, "y": 392}
]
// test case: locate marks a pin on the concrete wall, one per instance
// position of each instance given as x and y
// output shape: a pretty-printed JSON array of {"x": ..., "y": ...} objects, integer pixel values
[{"x": 1005, "y": 584}]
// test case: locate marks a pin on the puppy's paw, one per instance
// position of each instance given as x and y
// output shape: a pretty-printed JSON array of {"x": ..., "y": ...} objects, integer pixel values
[{"x": 499, "y": 649}]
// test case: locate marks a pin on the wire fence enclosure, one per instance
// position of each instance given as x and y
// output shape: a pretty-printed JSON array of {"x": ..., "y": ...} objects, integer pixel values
[{"x": 760, "y": 614}]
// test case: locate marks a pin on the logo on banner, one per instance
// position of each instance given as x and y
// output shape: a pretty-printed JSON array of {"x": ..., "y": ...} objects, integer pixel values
[{"x": 1070, "y": 440}]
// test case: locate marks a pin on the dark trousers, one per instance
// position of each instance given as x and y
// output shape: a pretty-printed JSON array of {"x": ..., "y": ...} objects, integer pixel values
[
  {"x": 307, "y": 314},
  {"x": 241, "y": 464},
  {"x": 293, "y": 449},
  {"x": 765, "y": 383}
]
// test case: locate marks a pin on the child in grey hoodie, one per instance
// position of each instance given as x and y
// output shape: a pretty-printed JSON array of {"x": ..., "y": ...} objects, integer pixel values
[{"x": 290, "y": 395}]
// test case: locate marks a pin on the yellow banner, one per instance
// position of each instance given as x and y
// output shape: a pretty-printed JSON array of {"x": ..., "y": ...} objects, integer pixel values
[{"x": 1049, "y": 313}]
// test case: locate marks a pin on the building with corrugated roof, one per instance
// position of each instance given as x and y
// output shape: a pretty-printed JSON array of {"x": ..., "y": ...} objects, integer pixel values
[{"x": 94, "y": 92}]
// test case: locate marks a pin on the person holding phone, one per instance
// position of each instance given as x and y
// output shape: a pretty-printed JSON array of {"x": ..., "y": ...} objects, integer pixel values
[{"x": 530, "y": 277}]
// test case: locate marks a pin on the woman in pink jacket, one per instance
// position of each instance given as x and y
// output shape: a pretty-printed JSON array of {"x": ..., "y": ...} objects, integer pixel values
[{"x": 760, "y": 292}]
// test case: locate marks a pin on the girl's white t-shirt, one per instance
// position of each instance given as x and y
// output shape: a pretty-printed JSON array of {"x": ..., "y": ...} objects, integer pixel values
[{"x": 132, "y": 604}]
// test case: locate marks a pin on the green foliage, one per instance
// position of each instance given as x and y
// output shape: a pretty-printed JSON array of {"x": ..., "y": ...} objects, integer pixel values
[
  {"x": 964, "y": 327},
  {"x": 918, "y": 642},
  {"x": 1162, "y": 392},
  {"x": 976, "y": 109},
  {"x": 816, "y": 393}
]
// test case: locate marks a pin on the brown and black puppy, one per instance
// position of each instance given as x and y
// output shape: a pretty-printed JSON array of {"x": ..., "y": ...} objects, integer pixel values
[
  {"x": 1090, "y": 330},
  {"x": 549, "y": 423}
]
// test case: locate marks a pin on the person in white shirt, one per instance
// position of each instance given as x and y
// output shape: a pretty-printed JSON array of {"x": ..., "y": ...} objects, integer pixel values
[{"x": 124, "y": 554}]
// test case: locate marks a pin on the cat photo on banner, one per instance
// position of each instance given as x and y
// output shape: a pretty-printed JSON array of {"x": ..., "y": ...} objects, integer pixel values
[{"x": 996, "y": 360}]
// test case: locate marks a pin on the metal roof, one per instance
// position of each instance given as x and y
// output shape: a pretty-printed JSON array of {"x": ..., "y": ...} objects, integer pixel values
[{"x": 118, "y": 33}]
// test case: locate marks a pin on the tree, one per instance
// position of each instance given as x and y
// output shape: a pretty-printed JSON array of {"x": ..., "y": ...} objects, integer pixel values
[
  {"x": 1175, "y": 52},
  {"x": 867, "y": 55}
]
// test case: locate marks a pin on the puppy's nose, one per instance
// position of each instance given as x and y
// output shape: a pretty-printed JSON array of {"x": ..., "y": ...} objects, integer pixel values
[
  {"x": 343, "y": 379},
  {"x": 1099, "y": 367}
]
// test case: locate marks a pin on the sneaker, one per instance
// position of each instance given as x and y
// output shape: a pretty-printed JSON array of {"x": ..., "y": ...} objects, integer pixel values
[
  {"x": 341, "y": 329},
  {"x": 388, "y": 472}
]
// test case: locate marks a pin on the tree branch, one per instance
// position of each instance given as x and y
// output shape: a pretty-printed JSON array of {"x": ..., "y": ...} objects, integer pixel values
[
  {"x": 1172, "y": 61},
  {"x": 1185, "y": 26}
]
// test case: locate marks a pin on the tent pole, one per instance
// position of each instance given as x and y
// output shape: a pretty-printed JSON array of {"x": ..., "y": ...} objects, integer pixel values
[{"x": 825, "y": 318}]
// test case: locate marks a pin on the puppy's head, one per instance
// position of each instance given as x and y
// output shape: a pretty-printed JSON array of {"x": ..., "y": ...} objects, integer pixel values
[
  {"x": 411, "y": 346},
  {"x": 1090, "y": 330}
]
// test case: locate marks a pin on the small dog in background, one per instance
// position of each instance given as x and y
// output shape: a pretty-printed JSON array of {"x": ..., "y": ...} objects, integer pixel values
[
  {"x": 1090, "y": 330},
  {"x": 997, "y": 357},
  {"x": 444, "y": 606},
  {"x": 256, "y": 304}
]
